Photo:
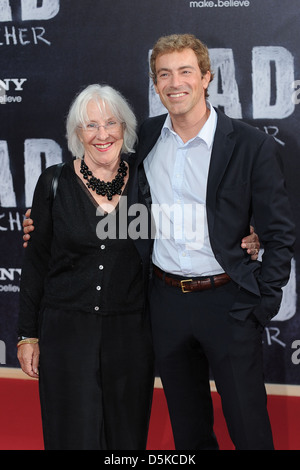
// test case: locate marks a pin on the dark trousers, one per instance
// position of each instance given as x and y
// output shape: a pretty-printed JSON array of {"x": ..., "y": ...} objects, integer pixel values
[
  {"x": 96, "y": 380},
  {"x": 192, "y": 331}
]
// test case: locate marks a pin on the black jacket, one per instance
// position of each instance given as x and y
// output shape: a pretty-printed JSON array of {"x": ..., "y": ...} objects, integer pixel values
[{"x": 244, "y": 181}]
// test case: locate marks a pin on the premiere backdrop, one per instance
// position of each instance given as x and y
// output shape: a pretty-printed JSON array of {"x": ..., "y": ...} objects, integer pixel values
[{"x": 50, "y": 49}]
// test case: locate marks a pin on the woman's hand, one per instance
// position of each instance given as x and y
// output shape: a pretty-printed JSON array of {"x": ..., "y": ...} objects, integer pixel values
[
  {"x": 251, "y": 244},
  {"x": 27, "y": 227},
  {"x": 28, "y": 355}
]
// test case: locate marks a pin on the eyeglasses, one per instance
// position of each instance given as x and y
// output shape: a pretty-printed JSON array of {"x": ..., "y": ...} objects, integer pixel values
[{"x": 93, "y": 127}]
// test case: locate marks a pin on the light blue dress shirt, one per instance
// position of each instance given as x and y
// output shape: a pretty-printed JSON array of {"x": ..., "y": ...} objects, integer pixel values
[{"x": 177, "y": 173}]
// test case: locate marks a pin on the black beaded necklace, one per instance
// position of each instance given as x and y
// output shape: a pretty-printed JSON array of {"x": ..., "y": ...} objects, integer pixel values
[{"x": 108, "y": 189}]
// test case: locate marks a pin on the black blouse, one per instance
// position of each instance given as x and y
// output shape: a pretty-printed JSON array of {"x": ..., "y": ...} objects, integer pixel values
[{"x": 66, "y": 266}]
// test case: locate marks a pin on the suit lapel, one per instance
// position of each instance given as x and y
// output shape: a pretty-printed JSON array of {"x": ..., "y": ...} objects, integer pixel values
[
  {"x": 148, "y": 137},
  {"x": 149, "y": 133},
  {"x": 138, "y": 183},
  {"x": 224, "y": 143}
]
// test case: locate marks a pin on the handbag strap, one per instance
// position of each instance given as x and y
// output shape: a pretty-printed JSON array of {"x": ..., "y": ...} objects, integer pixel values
[{"x": 55, "y": 181}]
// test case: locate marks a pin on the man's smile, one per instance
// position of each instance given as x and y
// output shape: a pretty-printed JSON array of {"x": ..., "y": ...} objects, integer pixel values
[{"x": 177, "y": 95}]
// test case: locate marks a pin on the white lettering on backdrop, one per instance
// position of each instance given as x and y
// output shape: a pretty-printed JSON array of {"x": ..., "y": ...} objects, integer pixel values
[
  {"x": 34, "y": 151},
  {"x": 30, "y": 10}
]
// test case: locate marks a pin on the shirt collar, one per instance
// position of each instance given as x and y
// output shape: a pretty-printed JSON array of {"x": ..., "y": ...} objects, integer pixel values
[{"x": 207, "y": 132}]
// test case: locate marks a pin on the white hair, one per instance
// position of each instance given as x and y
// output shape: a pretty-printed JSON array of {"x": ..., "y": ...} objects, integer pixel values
[{"x": 103, "y": 95}]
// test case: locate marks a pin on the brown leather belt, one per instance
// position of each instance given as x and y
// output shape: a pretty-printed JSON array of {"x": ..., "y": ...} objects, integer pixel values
[{"x": 194, "y": 284}]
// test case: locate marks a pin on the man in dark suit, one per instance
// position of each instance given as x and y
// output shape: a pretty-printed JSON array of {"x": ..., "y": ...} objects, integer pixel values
[{"x": 206, "y": 175}]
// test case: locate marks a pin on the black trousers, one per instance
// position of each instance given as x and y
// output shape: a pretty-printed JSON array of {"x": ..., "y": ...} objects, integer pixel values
[
  {"x": 96, "y": 380},
  {"x": 195, "y": 331}
]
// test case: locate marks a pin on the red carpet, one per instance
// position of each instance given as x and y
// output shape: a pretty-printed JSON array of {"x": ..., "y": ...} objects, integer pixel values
[{"x": 20, "y": 422}]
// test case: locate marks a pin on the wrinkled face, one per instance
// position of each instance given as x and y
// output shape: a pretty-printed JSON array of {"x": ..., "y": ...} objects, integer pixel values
[
  {"x": 180, "y": 84},
  {"x": 102, "y": 136}
]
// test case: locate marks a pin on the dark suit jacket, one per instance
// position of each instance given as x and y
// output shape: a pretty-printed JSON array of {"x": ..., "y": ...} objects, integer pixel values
[{"x": 244, "y": 180}]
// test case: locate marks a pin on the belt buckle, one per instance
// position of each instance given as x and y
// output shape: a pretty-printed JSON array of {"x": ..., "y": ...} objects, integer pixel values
[{"x": 183, "y": 288}]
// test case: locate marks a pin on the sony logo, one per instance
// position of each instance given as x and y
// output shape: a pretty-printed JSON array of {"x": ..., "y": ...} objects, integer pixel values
[
  {"x": 10, "y": 274},
  {"x": 9, "y": 84}
]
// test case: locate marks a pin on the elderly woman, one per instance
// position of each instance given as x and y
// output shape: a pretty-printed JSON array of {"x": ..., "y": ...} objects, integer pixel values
[{"x": 83, "y": 324}]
